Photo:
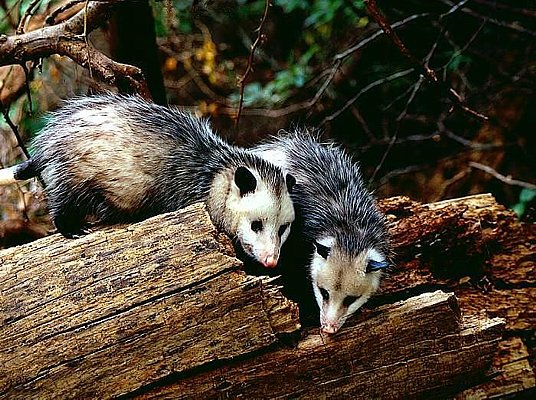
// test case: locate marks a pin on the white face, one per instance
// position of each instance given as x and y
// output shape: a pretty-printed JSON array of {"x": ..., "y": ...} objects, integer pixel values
[
  {"x": 261, "y": 220},
  {"x": 342, "y": 283},
  {"x": 264, "y": 225}
]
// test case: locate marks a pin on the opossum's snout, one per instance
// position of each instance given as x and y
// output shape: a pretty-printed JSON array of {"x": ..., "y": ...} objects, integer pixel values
[
  {"x": 262, "y": 247},
  {"x": 330, "y": 327},
  {"x": 267, "y": 258},
  {"x": 332, "y": 316},
  {"x": 269, "y": 261},
  {"x": 266, "y": 251}
]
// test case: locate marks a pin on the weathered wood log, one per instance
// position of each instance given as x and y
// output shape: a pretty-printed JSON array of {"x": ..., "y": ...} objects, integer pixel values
[
  {"x": 118, "y": 309},
  {"x": 478, "y": 249},
  {"x": 125, "y": 310},
  {"x": 412, "y": 348},
  {"x": 514, "y": 374}
]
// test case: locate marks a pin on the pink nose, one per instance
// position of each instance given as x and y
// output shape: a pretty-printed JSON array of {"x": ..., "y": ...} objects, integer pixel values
[
  {"x": 330, "y": 328},
  {"x": 270, "y": 262}
]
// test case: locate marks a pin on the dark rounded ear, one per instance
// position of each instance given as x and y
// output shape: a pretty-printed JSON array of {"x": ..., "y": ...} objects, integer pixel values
[
  {"x": 245, "y": 181},
  {"x": 291, "y": 181}
]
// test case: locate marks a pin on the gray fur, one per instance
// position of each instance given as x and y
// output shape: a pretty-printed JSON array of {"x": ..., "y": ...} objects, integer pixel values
[
  {"x": 331, "y": 201},
  {"x": 120, "y": 158}
]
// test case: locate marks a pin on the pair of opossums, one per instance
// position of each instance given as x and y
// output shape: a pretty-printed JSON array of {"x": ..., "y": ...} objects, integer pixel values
[{"x": 120, "y": 158}]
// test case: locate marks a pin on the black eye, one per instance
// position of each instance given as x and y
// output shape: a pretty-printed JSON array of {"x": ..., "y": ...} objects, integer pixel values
[
  {"x": 282, "y": 230},
  {"x": 256, "y": 226},
  {"x": 374, "y": 265},
  {"x": 323, "y": 251},
  {"x": 324, "y": 293},
  {"x": 348, "y": 300}
]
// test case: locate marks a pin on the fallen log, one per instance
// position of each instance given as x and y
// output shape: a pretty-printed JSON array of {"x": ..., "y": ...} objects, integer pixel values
[
  {"x": 417, "y": 347},
  {"x": 121, "y": 308},
  {"x": 478, "y": 249},
  {"x": 513, "y": 374},
  {"x": 161, "y": 308}
]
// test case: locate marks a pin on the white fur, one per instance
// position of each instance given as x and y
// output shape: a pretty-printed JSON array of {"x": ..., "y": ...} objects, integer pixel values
[
  {"x": 327, "y": 241},
  {"x": 100, "y": 146},
  {"x": 341, "y": 276},
  {"x": 7, "y": 176},
  {"x": 276, "y": 157},
  {"x": 375, "y": 255},
  {"x": 236, "y": 213}
]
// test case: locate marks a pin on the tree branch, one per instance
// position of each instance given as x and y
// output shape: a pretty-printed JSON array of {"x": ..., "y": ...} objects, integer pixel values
[
  {"x": 15, "y": 130},
  {"x": 249, "y": 68},
  {"x": 430, "y": 74},
  {"x": 506, "y": 179},
  {"x": 67, "y": 39}
]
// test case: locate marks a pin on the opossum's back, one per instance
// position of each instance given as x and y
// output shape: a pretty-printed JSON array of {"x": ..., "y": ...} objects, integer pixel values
[{"x": 99, "y": 147}]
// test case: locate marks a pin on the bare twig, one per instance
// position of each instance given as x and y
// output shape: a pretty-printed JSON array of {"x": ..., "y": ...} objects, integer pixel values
[
  {"x": 416, "y": 88},
  {"x": 372, "y": 85},
  {"x": 454, "y": 8},
  {"x": 364, "y": 126},
  {"x": 381, "y": 20},
  {"x": 400, "y": 171},
  {"x": 340, "y": 57},
  {"x": 65, "y": 39},
  {"x": 249, "y": 67},
  {"x": 374, "y": 11},
  {"x": 506, "y": 179},
  {"x": 410, "y": 89},
  {"x": 86, "y": 41},
  {"x": 513, "y": 25},
  {"x": 26, "y": 16},
  {"x": 27, "y": 87},
  {"x": 499, "y": 6},
  {"x": 51, "y": 18},
  {"x": 404, "y": 112},
  {"x": 14, "y": 128},
  {"x": 449, "y": 182},
  {"x": 464, "y": 48},
  {"x": 273, "y": 113}
]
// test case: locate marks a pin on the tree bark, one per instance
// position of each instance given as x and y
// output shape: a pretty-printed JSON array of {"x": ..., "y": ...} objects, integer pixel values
[
  {"x": 67, "y": 39},
  {"x": 121, "y": 308},
  {"x": 479, "y": 250},
  {"x": 413, "y": 348},
  {"x": 162, "y": 309}
]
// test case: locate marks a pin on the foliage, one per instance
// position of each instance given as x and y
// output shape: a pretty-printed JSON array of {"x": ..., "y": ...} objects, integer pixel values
[
  {"x": 525, "y": 197},
  {"x": 406, "y": 131},
  {"x": 324, "y": 21}
]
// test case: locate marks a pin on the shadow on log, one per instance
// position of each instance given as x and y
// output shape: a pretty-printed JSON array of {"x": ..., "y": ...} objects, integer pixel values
[{"x": 162, "y": 309}]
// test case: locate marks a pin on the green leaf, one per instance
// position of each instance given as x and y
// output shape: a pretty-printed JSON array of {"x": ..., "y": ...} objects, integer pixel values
[
  {"x": 527, "y": 195},
  {"x": 457, "y": 61}
]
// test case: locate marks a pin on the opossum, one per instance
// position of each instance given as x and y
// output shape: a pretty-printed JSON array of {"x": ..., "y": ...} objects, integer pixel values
[
  {"x": 121, "y": 158},
  {"x": 345, "y": 235}
]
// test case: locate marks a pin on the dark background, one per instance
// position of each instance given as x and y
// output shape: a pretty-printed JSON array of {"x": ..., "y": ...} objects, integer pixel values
[{"x": 407, "y": 133}]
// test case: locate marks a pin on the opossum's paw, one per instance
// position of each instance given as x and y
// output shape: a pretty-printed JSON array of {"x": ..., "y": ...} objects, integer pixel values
[
  {"x": 78, "y": 234},
  {"x": 71, "y": 227}
]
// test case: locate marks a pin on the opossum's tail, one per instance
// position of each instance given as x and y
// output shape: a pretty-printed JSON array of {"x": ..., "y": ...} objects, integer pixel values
[{"x": 20, "y": 172}]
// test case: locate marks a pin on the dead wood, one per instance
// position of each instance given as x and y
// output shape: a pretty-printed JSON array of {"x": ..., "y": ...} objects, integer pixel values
[
  {"x": 478, "y": 249},
  {"x": 69, "y": 39},
  {"x": 161, "y": 308},
  {"x": 413, "y": 348},
  {"x": 121, "y": 308}
]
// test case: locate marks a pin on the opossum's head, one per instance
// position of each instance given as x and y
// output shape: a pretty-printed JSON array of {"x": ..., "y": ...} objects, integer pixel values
[
  {"x": 258, "y": 211},
  {"x": 343, "y": 280}
]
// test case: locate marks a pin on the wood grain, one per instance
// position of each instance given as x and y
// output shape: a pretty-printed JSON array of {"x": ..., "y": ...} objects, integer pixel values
[
  {"x": 410, "y": 349},
  {"x": 108, "y": 313}
]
